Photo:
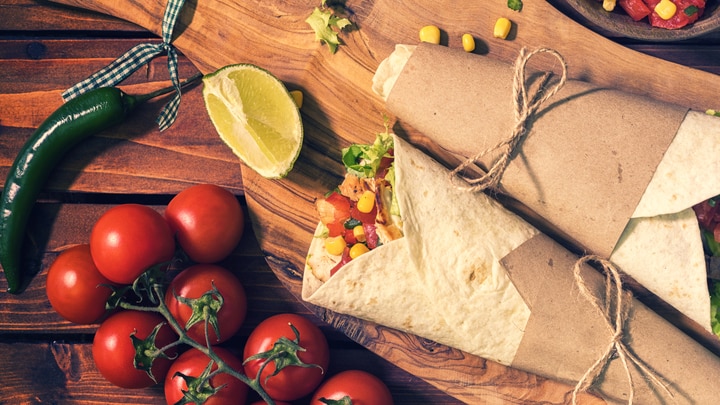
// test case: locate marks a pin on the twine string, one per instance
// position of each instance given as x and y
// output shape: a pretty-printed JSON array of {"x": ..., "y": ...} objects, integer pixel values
[
  {"x": 614, "y": 310},
  {"x": 132, "y": 60},
  {"x": 526, "y": 105}
]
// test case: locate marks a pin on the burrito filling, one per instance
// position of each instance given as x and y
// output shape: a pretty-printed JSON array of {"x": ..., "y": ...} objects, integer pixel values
[{"x": 362, "y": 212}]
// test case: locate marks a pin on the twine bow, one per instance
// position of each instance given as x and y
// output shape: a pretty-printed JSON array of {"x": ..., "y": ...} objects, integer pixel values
[
  {"x": 136, "y": 57},
  {"x": 614, "y": 310},
  {"x": 525, "y": 107}
]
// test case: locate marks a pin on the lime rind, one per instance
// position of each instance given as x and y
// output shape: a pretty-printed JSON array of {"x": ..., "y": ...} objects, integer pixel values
[{"x": 255, "y": 115}]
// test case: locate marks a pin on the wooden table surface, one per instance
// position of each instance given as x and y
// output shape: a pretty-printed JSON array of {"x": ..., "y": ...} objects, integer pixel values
[{"x": 46, "y": 48}]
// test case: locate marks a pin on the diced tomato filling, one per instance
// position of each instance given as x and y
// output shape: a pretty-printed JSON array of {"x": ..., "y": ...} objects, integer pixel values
[
  {"x": 361, "y": 216},
  {"x": 334, "y": 210},
  {"x": 636, "y": 9},
  {"x": 338, "y": 213},
  {"x": 349, "y": 237},
  {"x": 688, "y": 11}
]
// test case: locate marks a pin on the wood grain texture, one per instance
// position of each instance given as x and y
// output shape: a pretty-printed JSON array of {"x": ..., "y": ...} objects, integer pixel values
[
  {"x": 46, "y": 359},
  {"x": 276, "y": 36},
  {"x": 340, "y": 109},
  {"x": 155, "y": 162}
]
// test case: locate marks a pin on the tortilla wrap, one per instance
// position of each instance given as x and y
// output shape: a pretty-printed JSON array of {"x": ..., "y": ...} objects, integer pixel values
[
  {"x": 392, "y": 287},
  {"x": 472, "y": 275},
  {"x": 609, "y": 170}
]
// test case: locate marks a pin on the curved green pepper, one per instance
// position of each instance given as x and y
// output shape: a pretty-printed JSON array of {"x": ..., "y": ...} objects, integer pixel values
[{"x": 77, "y": 119}]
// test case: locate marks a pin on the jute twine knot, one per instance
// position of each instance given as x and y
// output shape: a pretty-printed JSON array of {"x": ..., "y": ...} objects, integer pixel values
[
  {"x": 614, "y": 309},
  {"x": 525, "y": 107}
]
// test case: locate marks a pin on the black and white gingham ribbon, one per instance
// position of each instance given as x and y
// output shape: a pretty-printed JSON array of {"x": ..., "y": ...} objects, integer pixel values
[{"x": 136, "y": 57}]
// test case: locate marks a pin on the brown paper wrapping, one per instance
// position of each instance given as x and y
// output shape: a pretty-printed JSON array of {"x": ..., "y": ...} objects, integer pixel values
[
  {"x": 589, "y": 155},
  {"x": 565, "y": 335}
]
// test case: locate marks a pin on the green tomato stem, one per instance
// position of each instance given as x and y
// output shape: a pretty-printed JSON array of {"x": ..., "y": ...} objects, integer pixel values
[{"x": 158, "y": 295}]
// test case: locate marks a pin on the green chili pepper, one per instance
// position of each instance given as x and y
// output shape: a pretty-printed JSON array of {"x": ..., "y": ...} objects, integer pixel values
[{"x": 77, "y": 119}]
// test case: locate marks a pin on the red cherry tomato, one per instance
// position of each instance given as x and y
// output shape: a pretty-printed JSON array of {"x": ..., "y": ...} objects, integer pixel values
[
  {"x": 128, "y": 239},
  {"x": 194, "y": 282},
  {"x": 208, "y": 222},
  {"x": 113, "y": 349},
  {"x": 361, "y": 387},
  {"x": 192, "y": 363},
  {"x": 292, "y": 382},
  {"x": 75, "y": 288}
]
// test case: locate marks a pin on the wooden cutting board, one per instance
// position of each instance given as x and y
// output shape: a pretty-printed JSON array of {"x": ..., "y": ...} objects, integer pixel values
[{"x": 340, "y": 109}]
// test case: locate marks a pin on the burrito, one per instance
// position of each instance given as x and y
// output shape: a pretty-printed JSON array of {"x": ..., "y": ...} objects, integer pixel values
[
  {"x": 466, "y": 272},
  {"x": 392, "y": 288},
  {"x": 613, "y": 173}
]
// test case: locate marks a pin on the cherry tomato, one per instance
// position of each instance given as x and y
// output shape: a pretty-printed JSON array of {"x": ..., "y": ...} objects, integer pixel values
[
  {"x": 208, "y": 222},
  {"x": 114, "y": 352},
  {"x": 265, "y": 403},
  {"x": 192, "y": 363},
  {"x": 292, "y": 382},
  {"x": 75, "y": 288},
  {"x": 128, "y": 239},
  {"x": 360, "y": 386},
  {"x": 193, "y": 283}
]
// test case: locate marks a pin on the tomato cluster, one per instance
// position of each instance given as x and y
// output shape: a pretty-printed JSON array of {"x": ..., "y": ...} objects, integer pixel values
[{"x": 174, "y": 335}]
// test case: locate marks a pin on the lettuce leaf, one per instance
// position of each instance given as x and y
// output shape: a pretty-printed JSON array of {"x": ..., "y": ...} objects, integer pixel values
[
  {"x": 326, "y": 26},
  {"x": 364, "y": 160},
  {"x": 714, "y": 304}
]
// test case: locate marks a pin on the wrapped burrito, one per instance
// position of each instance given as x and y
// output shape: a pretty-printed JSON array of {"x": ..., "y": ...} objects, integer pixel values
[
  {"x": 615, "y": 174},
  {"x": 465, "y": 272}
]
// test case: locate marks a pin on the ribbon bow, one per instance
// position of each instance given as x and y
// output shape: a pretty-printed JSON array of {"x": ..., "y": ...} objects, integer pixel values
[{"x": 136, "y": 57}]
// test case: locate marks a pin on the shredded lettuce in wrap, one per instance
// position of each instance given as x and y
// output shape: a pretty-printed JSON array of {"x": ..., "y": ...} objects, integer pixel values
[
  {"x": 364, "y": 161},
  {"x": 714, "y": 305}
]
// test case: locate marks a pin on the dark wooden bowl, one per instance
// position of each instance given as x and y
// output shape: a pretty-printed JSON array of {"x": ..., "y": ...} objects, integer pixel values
[{"x": 617, "y": 23}]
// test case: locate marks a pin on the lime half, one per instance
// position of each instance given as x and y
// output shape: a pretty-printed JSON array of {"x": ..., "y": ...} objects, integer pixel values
[{"x": 256, "y": 116}]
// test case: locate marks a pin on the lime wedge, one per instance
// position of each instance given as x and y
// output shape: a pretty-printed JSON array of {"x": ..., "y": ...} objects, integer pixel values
[{"x": 256, "y": 116}]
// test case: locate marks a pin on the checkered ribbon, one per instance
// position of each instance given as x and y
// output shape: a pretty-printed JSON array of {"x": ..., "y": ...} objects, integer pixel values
[{"x": 136, "y": 57}]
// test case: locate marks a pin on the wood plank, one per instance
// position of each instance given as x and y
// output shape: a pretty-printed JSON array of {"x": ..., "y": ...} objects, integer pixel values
[
  {"x": 133, "y": 157},
  {"x": 205, "y": 29},
  {"x": 38, "y": 15},
  {"x": 61, "y": 63},
  {"x": 703, "y": 56}
]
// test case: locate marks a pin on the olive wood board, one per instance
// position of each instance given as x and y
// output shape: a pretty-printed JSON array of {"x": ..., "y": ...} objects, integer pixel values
[{"x": 340, "y": 109}]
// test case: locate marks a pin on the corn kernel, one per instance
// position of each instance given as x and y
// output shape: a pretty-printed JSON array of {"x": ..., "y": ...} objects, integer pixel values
[
  {"x": 502, "y": 28},
  {"x": 335, "y": 245},
  {"x": 357, "y": 250},
  {"x": 666, "y": 9},
  {"x": 430, "y": 33},
  {"x": 359, "y": 233},
  {"x": 609, "y": 5},
  {"x": 297, "y": 96},
  {"x": 366, "y": 203},
  {"x": 468, "y": 42}
]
